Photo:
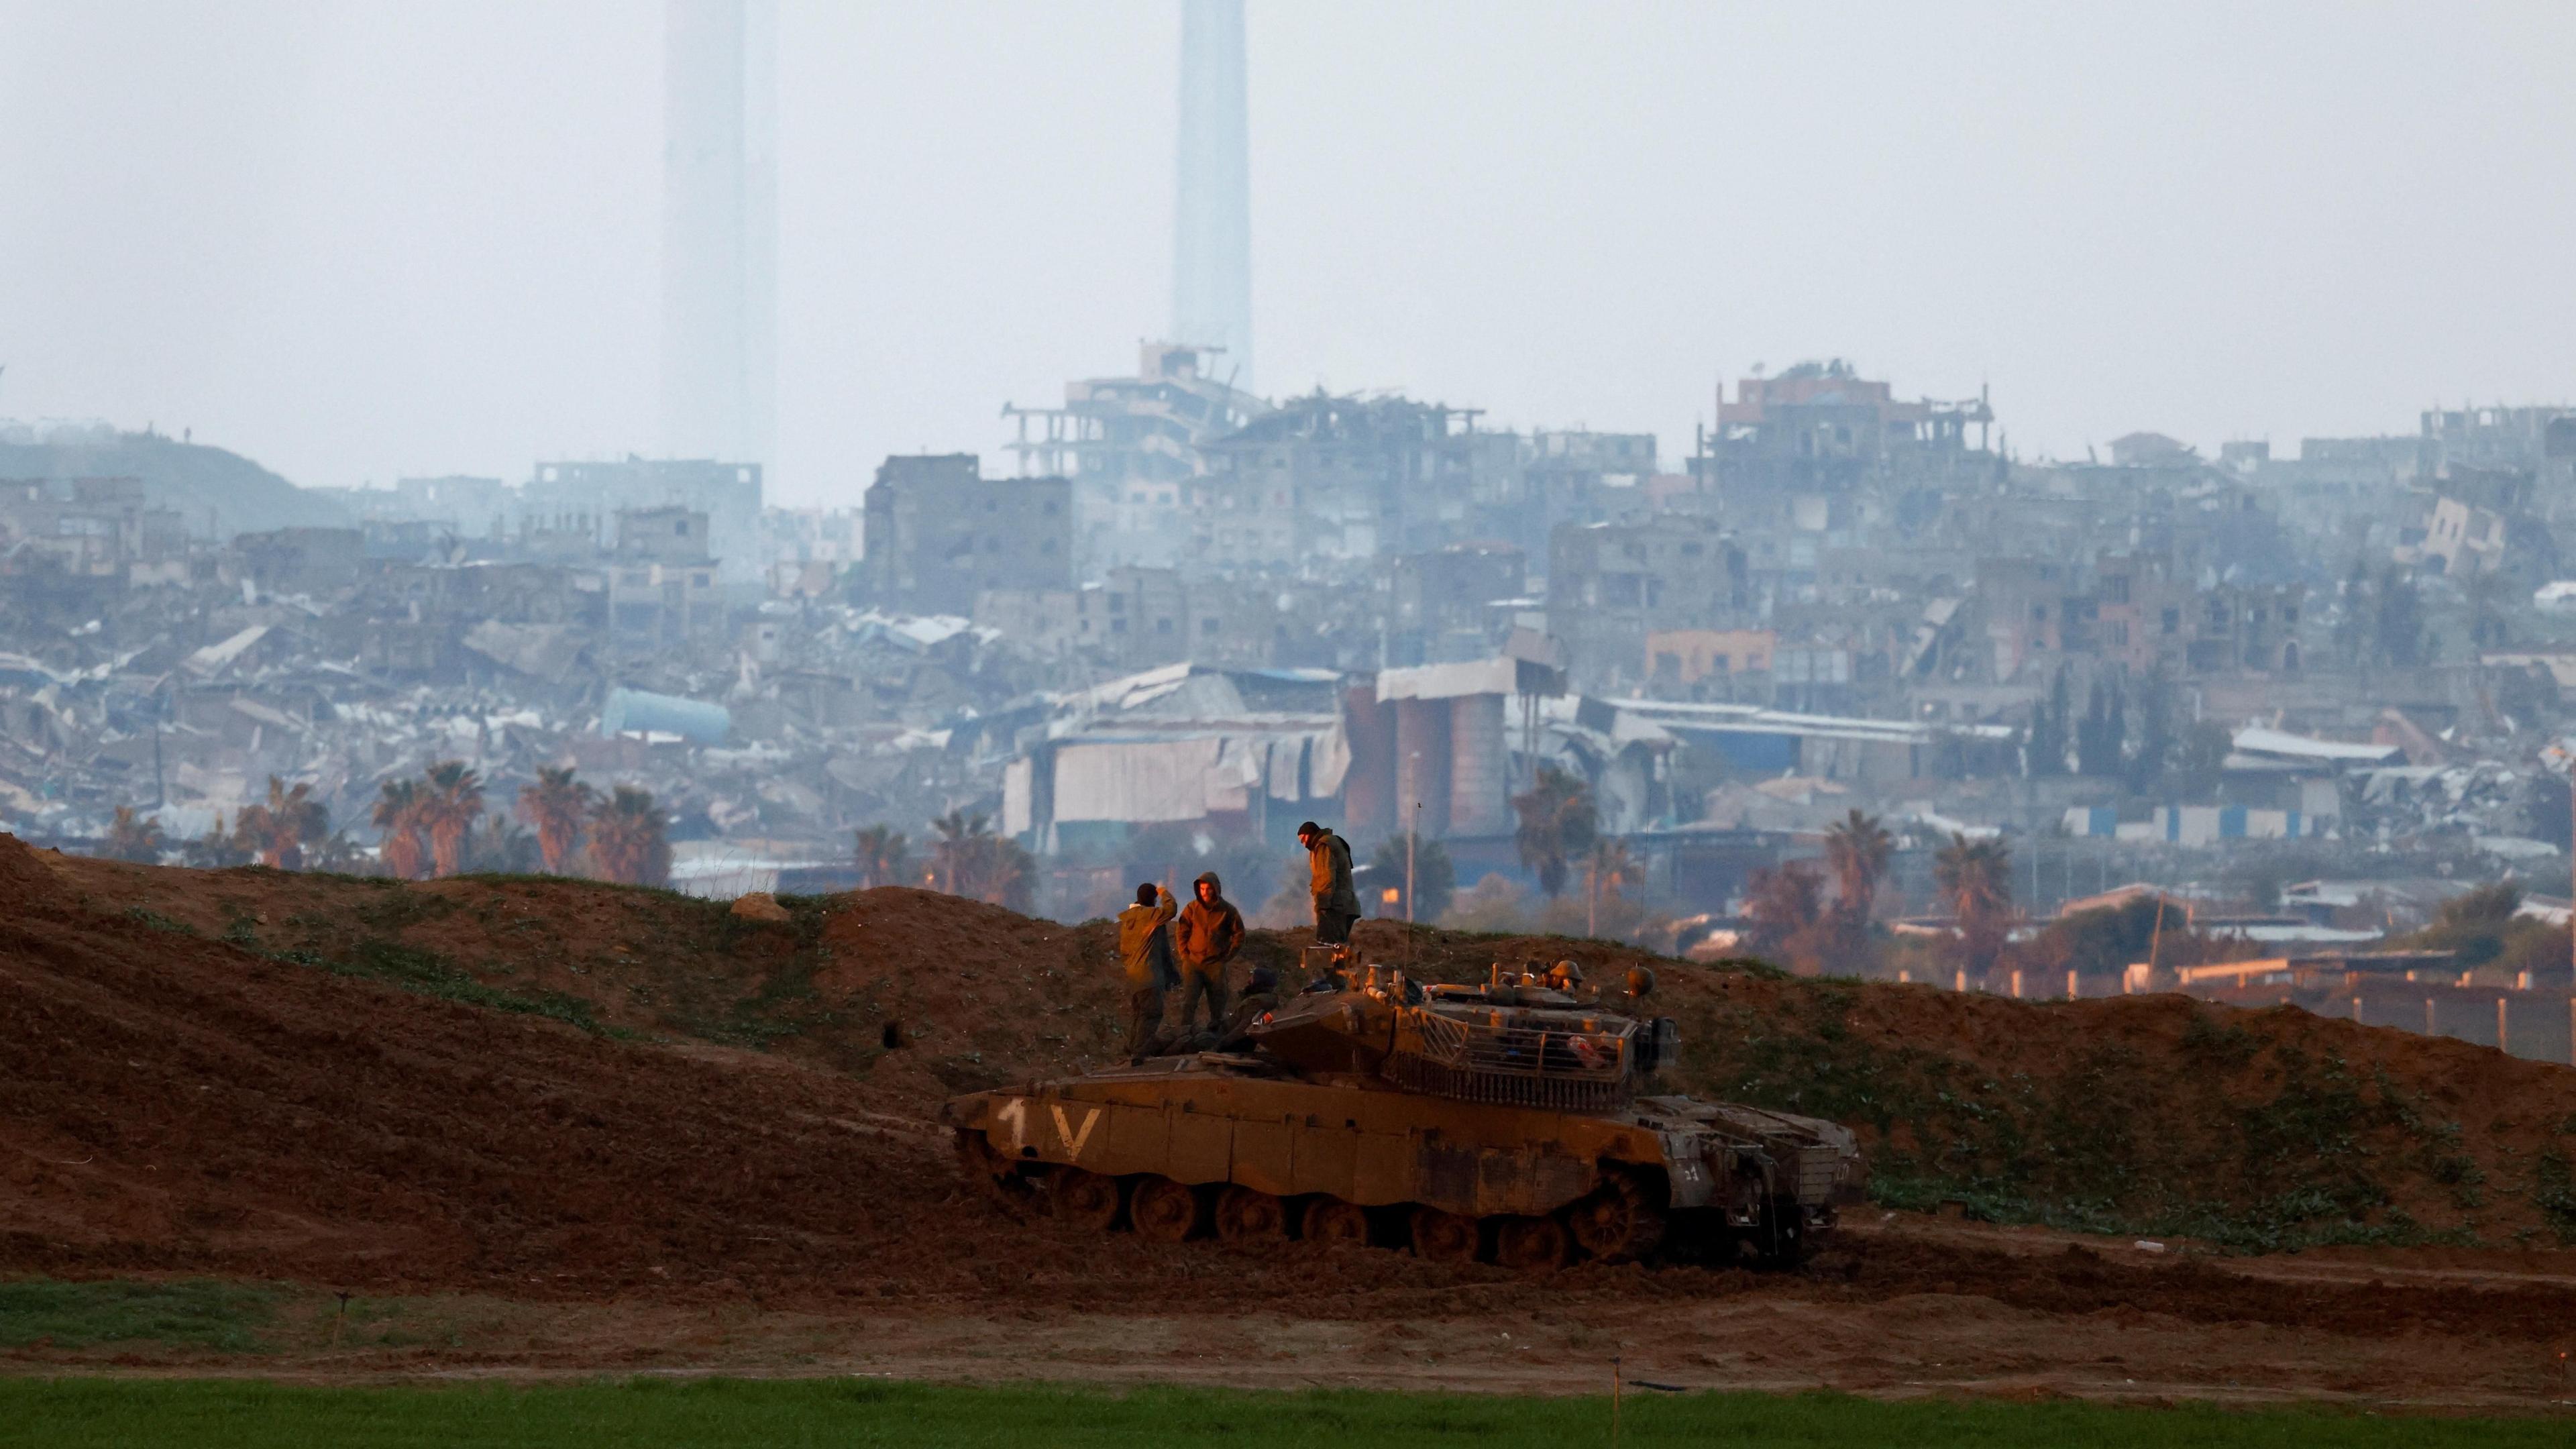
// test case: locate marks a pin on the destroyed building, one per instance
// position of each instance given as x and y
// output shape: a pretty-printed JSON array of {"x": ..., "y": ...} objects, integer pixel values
[
  {"x": 1131, "y": 445},
  {"x": 1455, "y": 603},
  {"x": 940, "y": 533},
  {"x": 1609, "y": 586},
  {"x": 1324, "y": 480},
  {"x": 729, "y": 494}
]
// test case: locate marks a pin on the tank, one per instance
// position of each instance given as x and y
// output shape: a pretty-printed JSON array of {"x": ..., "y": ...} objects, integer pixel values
[{"x": 1511, "y": 1122}]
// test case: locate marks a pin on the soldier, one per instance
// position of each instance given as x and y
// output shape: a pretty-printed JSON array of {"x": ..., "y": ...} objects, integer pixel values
[
  {"x": 1641, "y": 983},
  {"x": 1145, "y": 950},
  {"x": 1205, "y": 938},
  {"x": 1337, "y": 904},
  {"x": 1260, "y": 998}
]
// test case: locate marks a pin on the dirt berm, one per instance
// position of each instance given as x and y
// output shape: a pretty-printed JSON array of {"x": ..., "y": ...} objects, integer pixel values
[{"x": 543, "y": 1087}]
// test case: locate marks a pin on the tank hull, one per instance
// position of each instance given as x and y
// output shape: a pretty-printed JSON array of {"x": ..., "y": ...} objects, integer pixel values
[{"x": 1730, "y": 1178}]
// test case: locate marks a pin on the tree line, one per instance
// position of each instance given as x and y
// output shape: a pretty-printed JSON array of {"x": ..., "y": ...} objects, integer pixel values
[
  {"x": 434, "y": 824},
  {"x": 966, "y": 858}
]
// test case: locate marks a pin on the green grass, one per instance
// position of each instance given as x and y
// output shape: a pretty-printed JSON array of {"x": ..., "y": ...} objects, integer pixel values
[
  {"x": 2112, "y": 1141},
  {"x": 159, "y": 922},
  {"x": 427, "y": 973},
  {"x": 194, "y": 1313},
  {"x": 870, "y": 1412},
  {"x": 785, "y": 1413}
]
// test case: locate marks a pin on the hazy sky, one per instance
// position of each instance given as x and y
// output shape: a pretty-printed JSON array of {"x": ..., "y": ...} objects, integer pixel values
[{"x": 361, "y": 240}]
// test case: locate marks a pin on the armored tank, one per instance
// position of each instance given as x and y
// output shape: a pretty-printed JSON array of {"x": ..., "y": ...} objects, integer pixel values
[{"x": 1511, "y": 1122}]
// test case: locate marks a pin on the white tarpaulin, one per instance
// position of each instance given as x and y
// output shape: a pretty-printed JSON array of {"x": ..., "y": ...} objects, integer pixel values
[
  {"x": 1449, "y": 681},
  {"x": 1330, "y": 761},
  {"x": 1287, "y": 767},
  {"x": 1141, "y": 783},
  {"x": 1236, "y": 774},
  {"x": 1017, "y": 777}
]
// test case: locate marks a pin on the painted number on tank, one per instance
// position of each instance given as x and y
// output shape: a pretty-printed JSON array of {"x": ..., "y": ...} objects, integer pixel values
[
  {"x": 1014, "y": 1115},
  {"x": 1064, "y": 1129}
]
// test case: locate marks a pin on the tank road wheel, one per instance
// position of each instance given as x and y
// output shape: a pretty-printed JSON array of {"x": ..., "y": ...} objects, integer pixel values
[
  {"x": 1245, "y": 1215},
  {"x": 1165, "y": 1211},
  {"x": 1441, "y": 1237},
  {"x": 1085, "y": 1199},
  {"x": 1532, "y": 1245},
  {"x": 1336, "y": 1224},
  {"x": 1618, "y": 1223}
]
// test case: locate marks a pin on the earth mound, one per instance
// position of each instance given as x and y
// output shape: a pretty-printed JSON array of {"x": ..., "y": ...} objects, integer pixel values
[{"x": 493, "y": 1077}]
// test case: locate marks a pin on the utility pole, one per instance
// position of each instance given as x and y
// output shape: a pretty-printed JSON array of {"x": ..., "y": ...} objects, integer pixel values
[{"x": 1411, "y": 838}]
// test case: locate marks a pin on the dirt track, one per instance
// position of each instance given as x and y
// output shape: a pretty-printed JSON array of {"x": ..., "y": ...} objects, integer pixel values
[{"x": 573, "y": 1201}]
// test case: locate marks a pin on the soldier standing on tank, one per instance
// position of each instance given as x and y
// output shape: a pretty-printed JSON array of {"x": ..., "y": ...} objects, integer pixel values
[
  {"x": 1145, "y": 950},
  {"x": 1337, "y": 902},
  {"x": 1205, "y": 938}
]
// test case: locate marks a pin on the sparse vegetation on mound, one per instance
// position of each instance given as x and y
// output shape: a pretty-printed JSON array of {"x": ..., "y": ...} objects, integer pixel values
[{"x": 2159, "y": 1115}]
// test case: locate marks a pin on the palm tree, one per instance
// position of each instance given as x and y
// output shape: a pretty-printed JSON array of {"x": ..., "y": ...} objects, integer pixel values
[
  {"x": 1428, "y": 873},
  {"x": 276, "y": 829},
  {"x": 956, "y": 854},
  {"x": 1857, "y": 848},
  {"x": 556, "y": 805},
  {"x": 970, "y": 860},
  {"x": 452, "y": 800},
  {"x": 1976, "y": 878},
  {"x": 1005, "y": 873},
  {"x": 1609, "y": 867},
  {"x": 1783, "y": 903},
  {"x": 503, "y": 847},
  {"x": 398, "y": 815},
  {"x": 132, "y": 837},
  {"x": 217, "y": 849},
  {"x": 884, "y": 856},
  {"x": 627, "y": 839},
  {"x": 1557, "y": 824}
]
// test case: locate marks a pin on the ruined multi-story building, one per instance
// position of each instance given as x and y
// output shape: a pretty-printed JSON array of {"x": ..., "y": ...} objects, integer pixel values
[
  {"x": 95, "y": 528},
  {"x": 310, "y": 561},
  {"x": 1611, "y": 585},
  {"x": 2489, "y": 438},
  {"x": 663, "y": 587},
  {"x": 1327, "y": 479},
  {"x": 1453, "y": 602},
  {"x": 1130, "y": 444},
  {"x": 939, "y": 533},
  {"x": 729, "y": 494},
  {"x": 2138, "y": 612},
  {"x": 1820, "y": 428},
  {"x": 470, "y": 507},
  {"x": 1578, "y": 477},
  {"x": 1137, "y": 618},
  {"x": 1707, "y": 663}
]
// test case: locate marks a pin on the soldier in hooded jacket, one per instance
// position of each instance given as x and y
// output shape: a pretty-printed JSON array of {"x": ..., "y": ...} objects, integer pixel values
[{"x": 1205, "y": 938}]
